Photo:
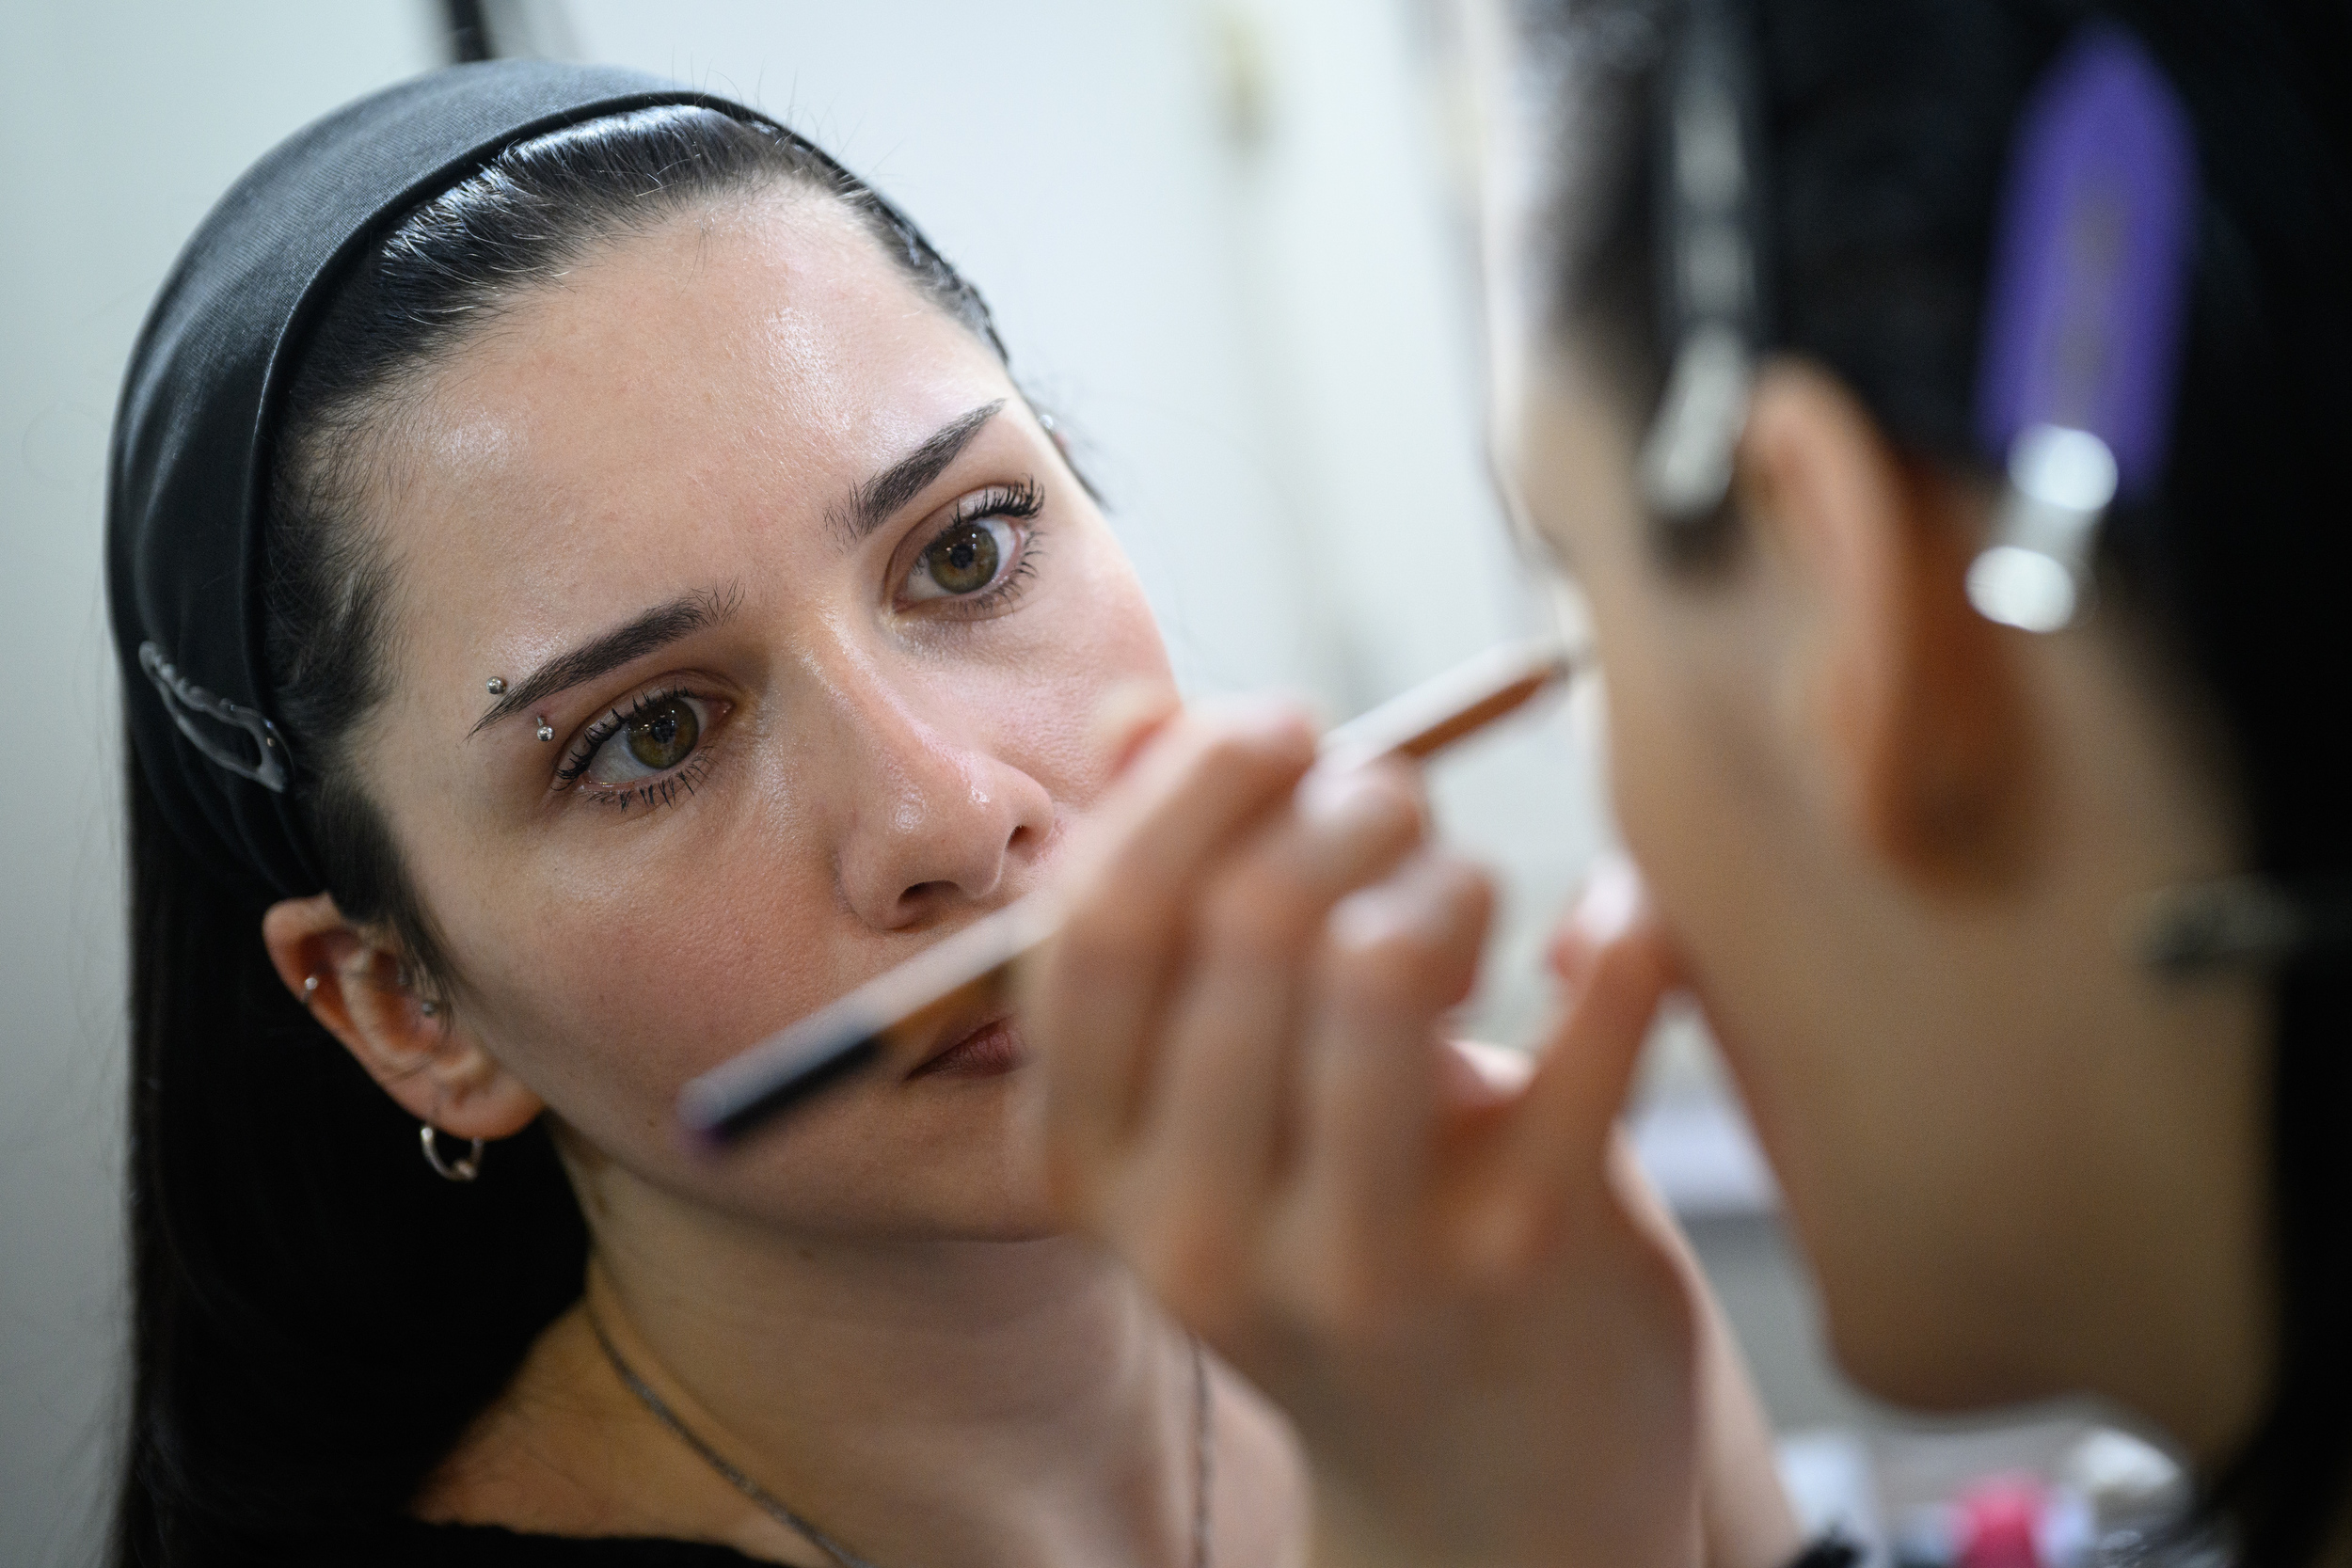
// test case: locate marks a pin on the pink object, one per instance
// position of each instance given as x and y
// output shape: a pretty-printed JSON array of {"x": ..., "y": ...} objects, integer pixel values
[{"x": 1998, "y": 1524}]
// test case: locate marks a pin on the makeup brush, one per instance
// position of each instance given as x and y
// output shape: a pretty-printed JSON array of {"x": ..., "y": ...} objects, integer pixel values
[{"x": 973, "y": 969}]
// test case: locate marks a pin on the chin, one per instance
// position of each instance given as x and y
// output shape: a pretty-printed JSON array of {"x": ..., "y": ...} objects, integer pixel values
[
  {"x": 975, "y": 1191},
  {"x": 954, "y": 1217},
  {"x": 941, "y": 1158},
  {"x": 1942, "y": 1358}
]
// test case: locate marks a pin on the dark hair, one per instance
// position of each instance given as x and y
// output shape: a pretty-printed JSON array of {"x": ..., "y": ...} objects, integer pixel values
[
  {"x": 316, "y": 1316},
  {"x": 1886, "y": 125}
]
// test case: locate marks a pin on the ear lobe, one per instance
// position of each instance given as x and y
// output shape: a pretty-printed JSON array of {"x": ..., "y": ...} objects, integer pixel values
[
  {"x": 1921, "y": 716},
  {"x": 430, "y": 1063}
]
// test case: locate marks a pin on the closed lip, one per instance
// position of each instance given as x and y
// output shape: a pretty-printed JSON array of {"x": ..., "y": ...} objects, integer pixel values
[{"x": 986, "y": 1048}]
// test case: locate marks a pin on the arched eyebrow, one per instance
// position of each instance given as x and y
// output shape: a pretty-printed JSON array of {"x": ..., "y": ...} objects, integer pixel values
[
  {"x": 657, "y": 628},
  {"x": 876, "y": 502}
]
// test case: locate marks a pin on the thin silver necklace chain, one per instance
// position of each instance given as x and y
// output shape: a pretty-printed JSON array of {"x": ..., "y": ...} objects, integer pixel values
[{"x": 1203, "y": 1457}]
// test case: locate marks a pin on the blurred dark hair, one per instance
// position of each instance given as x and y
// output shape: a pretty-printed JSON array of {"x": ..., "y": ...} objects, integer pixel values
[
  {"x": 1887, "y": 125},
  {"x": 316, "y": 1315}
]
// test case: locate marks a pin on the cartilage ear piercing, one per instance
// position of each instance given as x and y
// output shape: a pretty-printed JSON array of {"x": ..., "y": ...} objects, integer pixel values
[
  {"x": 546, "y": 730},
  {"x": 496, "y": 685},
  {"x": 430, "y": 1010}
]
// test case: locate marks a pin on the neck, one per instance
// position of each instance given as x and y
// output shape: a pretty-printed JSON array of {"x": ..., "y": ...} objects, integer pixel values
[
  {"x": 1019, "y": 1400},
  {"x": 2175, "y": 1179},
  {"x": 979, "y": 1403}
]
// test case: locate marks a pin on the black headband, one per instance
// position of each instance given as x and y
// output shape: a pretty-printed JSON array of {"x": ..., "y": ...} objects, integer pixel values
[{"x": 189, "y": 481}]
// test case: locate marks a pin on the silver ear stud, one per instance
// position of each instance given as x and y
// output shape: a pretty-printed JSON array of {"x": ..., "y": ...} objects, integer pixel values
[
  {"x": 495, "y": 686},
  {"x": 546, "y": 730},
  {"x": 430, "y": 1010},
  {"x": 309, "y": 989}
]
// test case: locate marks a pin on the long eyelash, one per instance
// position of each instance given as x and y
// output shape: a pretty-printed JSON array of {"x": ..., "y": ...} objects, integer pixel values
[{"x": 1023, "y": 499}]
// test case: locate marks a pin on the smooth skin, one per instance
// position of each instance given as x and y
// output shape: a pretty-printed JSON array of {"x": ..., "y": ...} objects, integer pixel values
[
  {"x": 1888, "y": 846},
  {"x": 872, "y": 1313}
]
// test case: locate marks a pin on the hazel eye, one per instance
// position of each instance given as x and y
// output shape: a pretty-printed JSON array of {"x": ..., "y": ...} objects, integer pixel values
[
  {"x": 665, "y": 736},
  {"x": 964, "y": 561},
  {"x": 654, "y": 737}
]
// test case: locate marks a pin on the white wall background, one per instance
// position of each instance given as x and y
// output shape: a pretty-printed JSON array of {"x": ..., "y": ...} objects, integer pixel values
[{"x": 1216, "y": 237}]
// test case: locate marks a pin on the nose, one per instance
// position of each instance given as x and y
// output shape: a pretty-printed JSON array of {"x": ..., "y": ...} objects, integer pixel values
[{"x": 933, "y": 816}]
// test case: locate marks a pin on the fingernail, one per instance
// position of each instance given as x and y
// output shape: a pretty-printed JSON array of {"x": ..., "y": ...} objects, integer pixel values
[
  {"x": 1344, "y": 800},
  {"x": 1376, "y": 916},
  {"x": 1421, "y": 903},
  {"x": 1613, "y": 899},
  {"x": 1128, "y": 714},
  {"x": 1275, "y": 718}
]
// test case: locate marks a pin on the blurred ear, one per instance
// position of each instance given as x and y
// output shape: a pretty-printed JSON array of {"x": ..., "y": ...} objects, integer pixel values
[
  {"x": 1913, "y": 701},
  {"x": 430, "y": 1063}
]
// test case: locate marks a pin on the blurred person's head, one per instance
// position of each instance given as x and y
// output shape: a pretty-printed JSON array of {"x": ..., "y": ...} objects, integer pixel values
[
  {"x": 1903, "y": 846},
  {"x": 674, "y": 614}
]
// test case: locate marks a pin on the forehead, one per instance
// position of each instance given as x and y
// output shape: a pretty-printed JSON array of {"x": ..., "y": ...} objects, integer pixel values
[
  {"x": 741, "y": 365},
  {"x": 775, "y": 312}
]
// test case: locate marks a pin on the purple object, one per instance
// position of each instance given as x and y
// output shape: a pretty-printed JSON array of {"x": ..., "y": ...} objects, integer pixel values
[{"x": 2091, "y": 258}]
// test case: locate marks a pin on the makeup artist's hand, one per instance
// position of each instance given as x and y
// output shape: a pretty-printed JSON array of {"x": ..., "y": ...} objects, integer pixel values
[{"x": 1483, "y": 1324}]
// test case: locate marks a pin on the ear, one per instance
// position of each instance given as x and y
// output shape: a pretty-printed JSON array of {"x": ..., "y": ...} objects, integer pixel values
[
  {"x": 430, "y": 1062},
  {"x": 1916, "y": 700}
]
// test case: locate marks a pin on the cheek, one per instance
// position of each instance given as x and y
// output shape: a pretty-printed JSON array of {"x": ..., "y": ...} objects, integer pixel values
[
  {"x": 1099, "y": 639},
  {"x": 606, "y": 982}
]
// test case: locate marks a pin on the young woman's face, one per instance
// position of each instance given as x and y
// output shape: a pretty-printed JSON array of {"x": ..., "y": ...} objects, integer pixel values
[{"x": 816, "y": 618}]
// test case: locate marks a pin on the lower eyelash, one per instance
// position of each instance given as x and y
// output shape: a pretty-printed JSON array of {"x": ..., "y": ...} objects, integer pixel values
[
  {"x": 1023, "y": 570},
  {"x": 663, "y": 791}
]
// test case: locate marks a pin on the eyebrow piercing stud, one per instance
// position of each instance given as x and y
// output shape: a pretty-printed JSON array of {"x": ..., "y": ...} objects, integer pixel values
[
  {"x": 495, "y": 686},
  {"x": 546, "y": 730}
]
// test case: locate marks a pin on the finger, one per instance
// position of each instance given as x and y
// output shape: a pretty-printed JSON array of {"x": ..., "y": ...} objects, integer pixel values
[
  {"x": 1216, "y": 1104},
  {"x": 1553, "y": 1154},
  {"x": 1586, "y": 1066},
  {"x": 1397, "y": 957},
  {"x": 1613, "y": 897},
  {"x": 1089, "y": 998},
  {"x": 1130, "y": 716}
]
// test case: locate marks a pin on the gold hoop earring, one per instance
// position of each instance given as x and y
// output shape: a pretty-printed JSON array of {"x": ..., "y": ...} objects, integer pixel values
[{"x": 462, "y": 1169}]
